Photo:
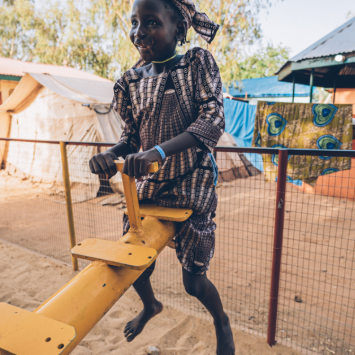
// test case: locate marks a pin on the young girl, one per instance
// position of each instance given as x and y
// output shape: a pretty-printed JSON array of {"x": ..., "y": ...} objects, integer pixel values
[{"x": 173, "y": 107}]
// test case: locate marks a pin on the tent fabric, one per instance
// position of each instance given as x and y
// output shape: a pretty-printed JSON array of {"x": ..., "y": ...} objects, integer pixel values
[
  {"x": 232, "y": 166},
  {"x": 267, "y": 87},
  {"x": 240, "y": 119},
  {"x": 13, "y": 67},
  {"x": 50, "y": 108},
  {"x": 81, "y": 90},
  {"x": 110, "y": 126},
  {"x": 23, "y": 95},
  {"x": 47, "y": 119}
]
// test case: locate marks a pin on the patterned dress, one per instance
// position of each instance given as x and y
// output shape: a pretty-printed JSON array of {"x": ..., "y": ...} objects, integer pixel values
[{"x": 155, "y": 114}]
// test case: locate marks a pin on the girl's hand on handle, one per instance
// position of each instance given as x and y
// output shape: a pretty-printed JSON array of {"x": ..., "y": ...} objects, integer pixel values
[
  {"x": 102, "y": 163},
  {"x": 137, "y": 164}
]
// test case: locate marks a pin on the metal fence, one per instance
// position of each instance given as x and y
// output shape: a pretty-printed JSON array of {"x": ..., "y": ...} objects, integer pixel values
[{"x": 310, "y": 288}]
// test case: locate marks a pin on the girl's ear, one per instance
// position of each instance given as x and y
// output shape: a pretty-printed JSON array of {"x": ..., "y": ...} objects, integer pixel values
[{"x": 181, "y": 30}]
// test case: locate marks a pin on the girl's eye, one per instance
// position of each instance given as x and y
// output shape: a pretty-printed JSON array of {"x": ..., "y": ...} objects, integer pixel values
[
  {"x": 134, "y": 23},
  {"x": 152, "y": 23}
]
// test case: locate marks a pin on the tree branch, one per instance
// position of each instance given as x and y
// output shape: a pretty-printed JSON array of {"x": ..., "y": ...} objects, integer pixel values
[{"x": 122, "y": 19}]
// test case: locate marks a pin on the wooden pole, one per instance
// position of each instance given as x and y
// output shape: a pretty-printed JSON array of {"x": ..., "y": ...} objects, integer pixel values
[
  {"x": 277, "y": 249},
  {"x": 335, "y": 88},
  {"x": 293, "y": 87},
  {"x": 311, "y": 85},
  {"x": 68, "y": 202}
]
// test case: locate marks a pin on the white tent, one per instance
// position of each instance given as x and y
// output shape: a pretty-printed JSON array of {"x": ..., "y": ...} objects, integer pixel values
[
  {"x": 47, "y": 107},
  {"x": 233, "y": 165}
]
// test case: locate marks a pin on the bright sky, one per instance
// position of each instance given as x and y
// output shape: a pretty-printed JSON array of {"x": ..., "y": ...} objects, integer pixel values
[{"x": 299, "y": 23}]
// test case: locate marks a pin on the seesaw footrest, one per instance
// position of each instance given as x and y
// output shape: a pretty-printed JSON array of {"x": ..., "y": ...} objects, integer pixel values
[
  {"x": 26, "y": 333},
  {"x": 115, "y": 253}
]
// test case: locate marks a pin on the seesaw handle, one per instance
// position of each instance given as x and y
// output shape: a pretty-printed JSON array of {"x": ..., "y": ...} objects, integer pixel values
[
  {"x": 130, "y": 191},
  {"x": 152, "y": 167}
]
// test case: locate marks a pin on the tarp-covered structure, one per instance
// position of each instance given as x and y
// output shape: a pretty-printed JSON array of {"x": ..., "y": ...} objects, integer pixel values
[
  {"x": 268, "y": 89},
  {"x": 232, "y": 165},
  {"x": 329, "y": 62},
  {"x": 49, "y": 107}
]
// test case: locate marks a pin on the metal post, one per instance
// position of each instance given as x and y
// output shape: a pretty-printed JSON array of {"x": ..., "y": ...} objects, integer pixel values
[
  {"x": 293, "y": 87},
  {"x": 277, "y": 249},
  {"x": 66, "y": 180},
  {"x": 311, "y": 85},
  {"x": 335, "y": 88}
]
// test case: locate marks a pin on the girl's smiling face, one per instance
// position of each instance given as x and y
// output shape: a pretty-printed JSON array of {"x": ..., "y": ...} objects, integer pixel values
[{"x": 154, "y": 29}]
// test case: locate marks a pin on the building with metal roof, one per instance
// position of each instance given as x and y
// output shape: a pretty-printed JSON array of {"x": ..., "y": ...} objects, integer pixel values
[
  {"x": 329, "y": 63},
  {"x": 268, "y": 89}
]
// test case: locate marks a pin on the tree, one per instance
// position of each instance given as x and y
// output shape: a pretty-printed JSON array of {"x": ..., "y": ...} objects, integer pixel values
[
  {"x": 68, "y": 34},
  {"x": 239, "y": 29},
  {"x": 114, "y": 17},
  {"x": 237, "y": 18},
  {"x": 94, "y": 34},
  {"x": 17, "y": 21},
  {"x": 264, "y": 63},
  {"x": 63, "y": 33}
]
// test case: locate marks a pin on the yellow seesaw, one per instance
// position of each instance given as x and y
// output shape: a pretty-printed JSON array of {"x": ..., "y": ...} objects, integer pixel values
[{"x": 59, "y": 324}]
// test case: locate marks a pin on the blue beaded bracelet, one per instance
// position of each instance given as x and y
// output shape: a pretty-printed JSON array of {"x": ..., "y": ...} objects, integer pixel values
[{"x": 161, "y": 151}]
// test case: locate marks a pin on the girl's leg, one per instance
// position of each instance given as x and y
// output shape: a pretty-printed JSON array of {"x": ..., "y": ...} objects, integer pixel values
[
  {"x": 151, "y": 306},
  {"x": 203, "y": 289}
]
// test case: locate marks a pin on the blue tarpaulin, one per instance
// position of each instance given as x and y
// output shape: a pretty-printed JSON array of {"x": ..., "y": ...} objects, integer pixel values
[
  {"x": 267, "y": 87},
  {"x": 240, "y": 119}
]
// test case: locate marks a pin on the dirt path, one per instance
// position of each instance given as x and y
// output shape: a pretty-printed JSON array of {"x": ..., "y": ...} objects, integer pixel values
[
  {"x": 317, "y": 291},
  {"x": 27, "y": 279}
]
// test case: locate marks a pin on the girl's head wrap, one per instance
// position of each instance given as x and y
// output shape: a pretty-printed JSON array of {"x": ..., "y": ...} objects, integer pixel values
[{"x": 205, "y": 27}]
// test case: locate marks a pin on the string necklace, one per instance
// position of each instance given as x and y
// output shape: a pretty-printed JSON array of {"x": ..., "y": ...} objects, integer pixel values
[{"x": 166, "y": 60}]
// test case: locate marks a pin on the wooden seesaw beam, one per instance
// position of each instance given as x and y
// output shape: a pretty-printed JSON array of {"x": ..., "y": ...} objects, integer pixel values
[{"x": 84, "y": 300}]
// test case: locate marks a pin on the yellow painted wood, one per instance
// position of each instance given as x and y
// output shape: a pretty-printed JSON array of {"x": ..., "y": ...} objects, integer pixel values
[
  {"x": 118, "y": 254},
  {"x": 152, "y": 168},
  {"x": 164, "y": 213},
  {"x": 130, "y": 191},
  {"x": 26, "y": 333},
  {"x": 68, "y": 202},
  {"x": 84, "y": 300}
]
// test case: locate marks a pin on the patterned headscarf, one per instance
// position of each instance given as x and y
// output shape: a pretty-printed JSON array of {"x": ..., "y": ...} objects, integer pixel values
[{"x": 205, "y": 27}]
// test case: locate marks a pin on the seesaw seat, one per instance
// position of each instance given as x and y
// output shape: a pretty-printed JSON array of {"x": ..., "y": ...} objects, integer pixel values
[
  {"x": 127, "y": 255},
  {"x": 26, "y": 333},
  {"x": 115, "y": 253}
]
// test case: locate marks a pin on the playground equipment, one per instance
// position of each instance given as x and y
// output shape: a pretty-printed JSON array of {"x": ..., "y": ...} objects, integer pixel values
[{"x": 59, "y": 324}]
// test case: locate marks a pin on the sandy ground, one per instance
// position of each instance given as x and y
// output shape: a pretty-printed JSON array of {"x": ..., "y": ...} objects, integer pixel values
[
  {"x": 317, "y": 292},
  {"x": 27, "y": 279}
]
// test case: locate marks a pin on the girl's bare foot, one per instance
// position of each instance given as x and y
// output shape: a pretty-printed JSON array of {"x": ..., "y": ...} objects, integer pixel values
[
  {"x": 225, "y": 342},
  {"x": 136, "y": 325}
]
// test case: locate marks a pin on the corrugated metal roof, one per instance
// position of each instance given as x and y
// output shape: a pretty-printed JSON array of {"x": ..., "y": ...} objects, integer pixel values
[
  {"x": 13, "y": 67},
  {"x": 268, "y": 87},
  {"x": 340, "y": 41}
]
